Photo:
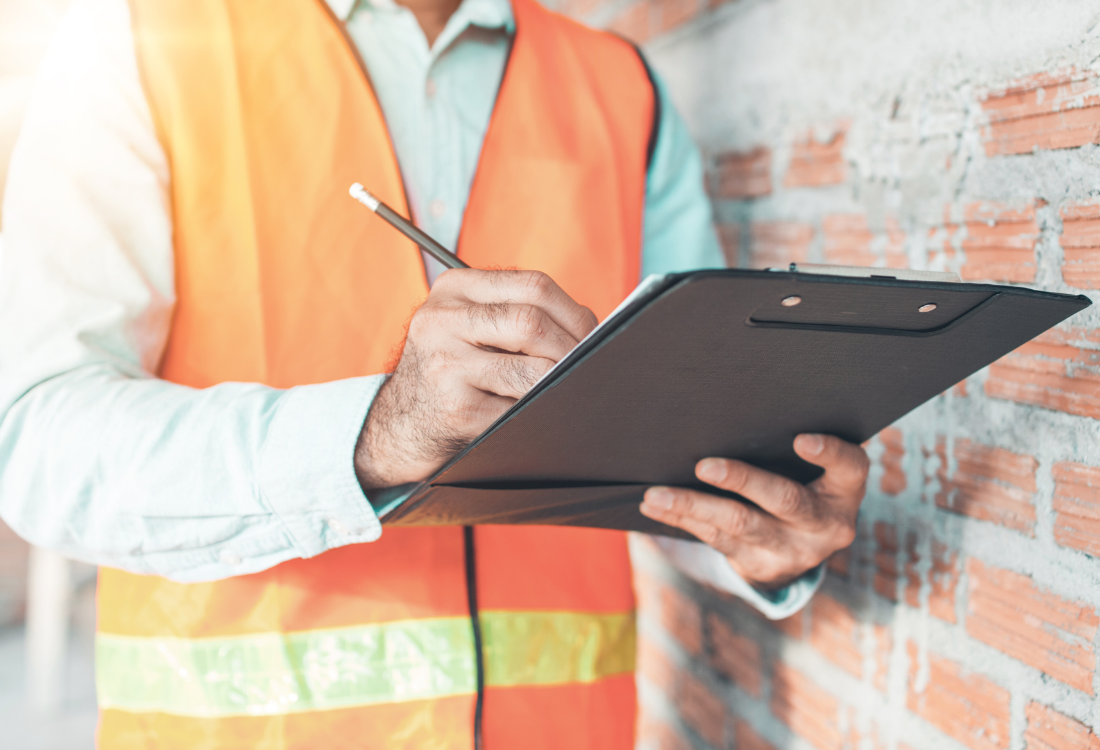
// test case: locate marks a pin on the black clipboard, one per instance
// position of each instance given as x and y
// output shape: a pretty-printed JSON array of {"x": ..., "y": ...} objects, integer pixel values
[{"x": 723, "y": 363}]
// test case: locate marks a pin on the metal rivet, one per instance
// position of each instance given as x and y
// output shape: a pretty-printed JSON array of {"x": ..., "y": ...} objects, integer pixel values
[
  {"x": 791, "y": 301},
  {"x": 927, "y": 308}
]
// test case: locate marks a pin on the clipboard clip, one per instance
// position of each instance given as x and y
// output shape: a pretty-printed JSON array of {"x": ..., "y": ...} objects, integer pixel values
[{"x": 866, "y": 272}]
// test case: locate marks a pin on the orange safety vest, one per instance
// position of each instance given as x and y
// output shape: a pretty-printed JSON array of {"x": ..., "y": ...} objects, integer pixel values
[{"x": 266, "y": 116}]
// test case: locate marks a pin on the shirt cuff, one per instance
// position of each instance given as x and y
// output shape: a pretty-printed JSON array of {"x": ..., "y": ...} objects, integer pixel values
[
  {"x": 709, "y": 566},
  {"x": 307, "y": 470}
]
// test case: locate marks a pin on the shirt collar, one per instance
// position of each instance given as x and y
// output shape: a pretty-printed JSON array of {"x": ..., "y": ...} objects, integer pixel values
[{"x": 490, "y": 14}]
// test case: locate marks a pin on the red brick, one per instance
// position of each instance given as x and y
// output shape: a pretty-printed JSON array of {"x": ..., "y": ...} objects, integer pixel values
[
  {"x": 835, "y": 634},
  {"x": 1000, "y": 243},
  {"x": 943, "y": 579},
  {"x": 814, "y": 163},
  {"x": 971, "y": 708},
  {"x": 857, "y": 740},
  {"x": 990, "y": 484},
  {"x": 679, "y": 615},
  {"x": 776, "y": 244},
  {"x": 14, "y": 555},
  {"x": 1046, "y": 111},
  {"x": 734, "y": 656},
  {"x": 700, "y": 709},
  {"x": 939, "y": 243},
  {"x": 634, "y": 23},
  {"x": 912, "y": 573},
  {"x": 1077, "y": 506},
  {"x": 893, "y": 474},
  {"x": 729, "y": 235},
  {"x": 849, "y": 241},
  {"x": 1054, "y": 635},
  {"x": 883, "y": 644},
  {"x": 655, "y": 666},
  {"x": 807, "y": 709},
  {"x": 1081, "y": 245},
  {"x": 743, "y": 174},
  {"x": 654, "y": 733},
  {"x": 886, "y": 573},
  {"x": 1049, "y": 730},
  {"x": 792, "y": 627},
  {"x": 746, "y": 738},
  {"x": 673, "y": 13},
  {"x": 1059, "y": 370}
]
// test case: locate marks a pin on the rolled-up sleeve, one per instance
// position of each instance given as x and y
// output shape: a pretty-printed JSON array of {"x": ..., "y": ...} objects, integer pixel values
[{"x": 99, "y": 459}]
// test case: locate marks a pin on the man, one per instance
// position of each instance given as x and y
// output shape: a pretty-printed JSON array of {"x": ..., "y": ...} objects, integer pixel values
[{"x": 177, "y": 207}]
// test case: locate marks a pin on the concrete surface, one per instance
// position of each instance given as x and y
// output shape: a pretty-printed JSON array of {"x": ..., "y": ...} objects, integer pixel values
[{"x": 73, "y": 726}]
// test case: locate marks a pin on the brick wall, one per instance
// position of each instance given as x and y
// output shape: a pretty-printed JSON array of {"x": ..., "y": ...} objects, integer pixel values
[
  {"x": 13, "y": 576},
  {"x": 930, "y": 134}
]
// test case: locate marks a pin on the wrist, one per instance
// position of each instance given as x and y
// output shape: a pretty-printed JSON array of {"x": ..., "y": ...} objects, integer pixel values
[{"x": 374, "y": 465}]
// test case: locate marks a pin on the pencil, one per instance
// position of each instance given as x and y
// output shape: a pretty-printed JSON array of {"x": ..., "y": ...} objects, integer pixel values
[{"x": 430, "y": 246}]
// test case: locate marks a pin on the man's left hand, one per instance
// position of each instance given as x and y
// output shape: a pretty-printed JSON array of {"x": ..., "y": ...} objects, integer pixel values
[{"x": 793, "y": 528}]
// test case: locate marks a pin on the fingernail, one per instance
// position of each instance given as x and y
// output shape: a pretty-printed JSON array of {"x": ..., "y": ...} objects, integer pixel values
[
  {"x": 659, "y": 497},
  {"x": 709, "y": 470},
  {"x": 811, "y": 444}
]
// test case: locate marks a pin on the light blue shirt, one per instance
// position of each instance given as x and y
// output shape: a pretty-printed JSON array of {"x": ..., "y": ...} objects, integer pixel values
[
  {"x": 438, "y": 101},
  {"x": 104, "y": 462}
]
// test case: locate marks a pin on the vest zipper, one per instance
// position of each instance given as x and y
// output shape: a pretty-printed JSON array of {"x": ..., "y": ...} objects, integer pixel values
[{"x": 475, "y": 623}]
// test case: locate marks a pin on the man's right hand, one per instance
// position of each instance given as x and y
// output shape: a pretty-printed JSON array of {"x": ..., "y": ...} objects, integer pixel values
[{"x": 476, "y": 345}]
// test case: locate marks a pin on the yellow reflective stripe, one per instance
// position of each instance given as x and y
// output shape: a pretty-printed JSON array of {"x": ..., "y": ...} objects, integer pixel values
[
  {"x": 548, "y": 648},
  {"x": 279, "y": 673}
]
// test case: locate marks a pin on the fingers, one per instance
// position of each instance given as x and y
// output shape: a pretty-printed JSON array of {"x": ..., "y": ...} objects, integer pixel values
[
  {"x": 782, "y": 497},
  {"x": 507, "y": 375},
  {"x": 718, "y": 521},
  {"x": 846, "y": 464},
  {"x": 524, "y": 287},
  {"x": 515, "y": 328}
]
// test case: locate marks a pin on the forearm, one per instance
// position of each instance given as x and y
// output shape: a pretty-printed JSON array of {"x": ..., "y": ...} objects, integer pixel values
[{"x": 157, "y": 478}]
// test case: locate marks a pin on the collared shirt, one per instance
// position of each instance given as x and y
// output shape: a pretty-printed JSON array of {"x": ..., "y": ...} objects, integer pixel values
[{"x": 104, "y": 462}]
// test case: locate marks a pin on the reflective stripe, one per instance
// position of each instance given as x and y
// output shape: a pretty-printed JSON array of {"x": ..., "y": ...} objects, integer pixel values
[
  {"x": 551, "y": 648},
  {"x": 280, "y": 673}
]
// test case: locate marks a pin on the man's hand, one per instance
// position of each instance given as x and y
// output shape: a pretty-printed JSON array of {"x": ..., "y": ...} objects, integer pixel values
[
  {"x": 476, "y": 345},
  {"x": 794, "y": 528}
]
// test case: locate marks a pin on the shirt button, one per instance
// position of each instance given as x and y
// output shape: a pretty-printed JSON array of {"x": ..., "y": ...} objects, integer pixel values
[
  {"x": 338, "y": 526},
  {"x": 229, "y": 558},
  {"x": 437, "y": 208},
  {"x": 429, "y": 87}
]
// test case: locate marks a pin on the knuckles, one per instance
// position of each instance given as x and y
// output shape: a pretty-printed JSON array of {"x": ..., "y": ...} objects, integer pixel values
[
  {"x": 588, "y": 320},
  {"x": 737, "y": 522},
  {"x": 428, "y": 319},
  {"x": 529, "y": 321},
  {"x": 841, "y": 535},
  {"x": 789, "y": 500},
  {"x": 862, "y": 465},
  {"x": 537, "y": 286}
]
